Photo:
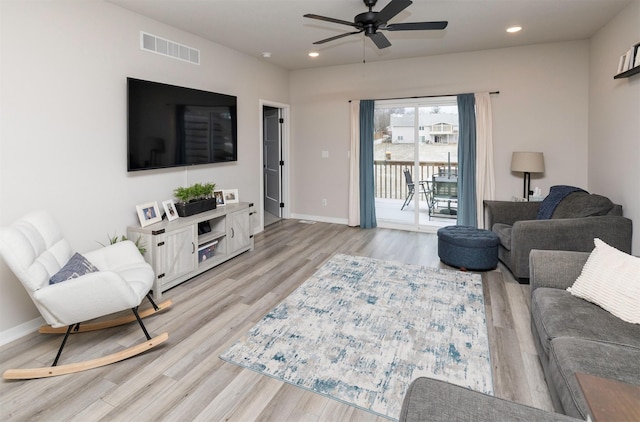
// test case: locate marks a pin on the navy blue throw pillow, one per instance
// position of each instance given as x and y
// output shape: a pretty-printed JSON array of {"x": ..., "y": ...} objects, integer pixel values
[{"x": 77, "y": 266}]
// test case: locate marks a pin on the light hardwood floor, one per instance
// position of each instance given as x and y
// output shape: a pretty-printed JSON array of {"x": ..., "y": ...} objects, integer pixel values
[{"x": 184, "y": 379}]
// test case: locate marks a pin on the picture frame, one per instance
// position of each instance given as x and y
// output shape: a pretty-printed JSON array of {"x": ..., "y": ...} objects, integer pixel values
[
  {"x": 170, "y": 209},
  {"x": 148, "y": 213},
  {"x": 621, "y": 63},
  {"x": 231, "y": 196},
  {"x": 219, "y": 195},
  {"x": 628, "y": 62}
]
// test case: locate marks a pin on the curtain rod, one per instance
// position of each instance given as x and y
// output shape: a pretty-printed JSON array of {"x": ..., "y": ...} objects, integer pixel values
[{"x": 425, "y": 96}]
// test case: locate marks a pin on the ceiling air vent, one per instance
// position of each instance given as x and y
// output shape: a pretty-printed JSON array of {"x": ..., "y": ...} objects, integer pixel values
[{"x": 154, "y": 44}]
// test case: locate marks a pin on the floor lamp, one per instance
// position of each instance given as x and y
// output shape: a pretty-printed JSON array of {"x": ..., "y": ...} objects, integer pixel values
[{"x": 527, "y": 162}]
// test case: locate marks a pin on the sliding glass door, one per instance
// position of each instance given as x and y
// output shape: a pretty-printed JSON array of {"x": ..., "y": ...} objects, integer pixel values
[{"x": 415, "y": 153}]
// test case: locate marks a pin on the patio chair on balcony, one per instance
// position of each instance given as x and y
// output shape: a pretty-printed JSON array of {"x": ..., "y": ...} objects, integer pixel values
[
  {"x": 443, "y": 197},
  {"x": 447, "y": 171},
  {"x": 411, "y": 188}
]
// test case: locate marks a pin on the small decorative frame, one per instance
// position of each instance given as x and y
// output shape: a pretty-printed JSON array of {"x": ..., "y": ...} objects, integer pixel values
[
  {"x": 231, "y": 196},
  {"x": 219, "y": 195},
  {"x": 621, "y": 63},
  {"x": 148, "y": 213},
  {"x": 170, "y": 209}
]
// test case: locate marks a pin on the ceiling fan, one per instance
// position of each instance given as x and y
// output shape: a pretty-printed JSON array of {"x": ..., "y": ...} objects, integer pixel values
[{"x": 370, "y": 22}]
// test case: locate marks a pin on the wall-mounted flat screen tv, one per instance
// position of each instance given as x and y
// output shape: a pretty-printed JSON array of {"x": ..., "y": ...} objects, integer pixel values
[{"x": 171, "y": 126}]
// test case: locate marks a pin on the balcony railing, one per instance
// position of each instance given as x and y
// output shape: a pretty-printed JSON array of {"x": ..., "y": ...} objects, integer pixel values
[{"x": 389, "y": 177}]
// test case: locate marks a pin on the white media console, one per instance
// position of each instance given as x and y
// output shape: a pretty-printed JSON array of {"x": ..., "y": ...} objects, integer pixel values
[{"x": 183, "y": 248}]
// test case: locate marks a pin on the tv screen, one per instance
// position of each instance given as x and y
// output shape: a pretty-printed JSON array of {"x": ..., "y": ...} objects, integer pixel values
[{"x": 171, "y": 126}]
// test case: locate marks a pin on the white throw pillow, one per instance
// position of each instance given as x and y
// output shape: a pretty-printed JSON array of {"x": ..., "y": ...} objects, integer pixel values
[{"x": 611, "y": 279}]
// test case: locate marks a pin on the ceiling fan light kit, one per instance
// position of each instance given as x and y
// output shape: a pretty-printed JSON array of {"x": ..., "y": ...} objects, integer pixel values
[{"x": 371, "y": 22}]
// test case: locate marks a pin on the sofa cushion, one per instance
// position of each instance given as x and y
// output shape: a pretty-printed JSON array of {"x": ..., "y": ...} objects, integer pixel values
[
  {"x": 582, "y": 204},
  {"x": 504, "y": 234},
  {"x": 606, "y": 360},
  {"x": 556, "y": 313},
  {"x": 611, "y": 279},
  {"x": 432, "y": 400}
]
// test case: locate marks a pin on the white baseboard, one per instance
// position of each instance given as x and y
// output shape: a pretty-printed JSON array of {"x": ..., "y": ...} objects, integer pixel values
[
  {"x": 408, "y": 228},
  {"x": 322, "y": 219},
  {"x": 7, "y": 336}
]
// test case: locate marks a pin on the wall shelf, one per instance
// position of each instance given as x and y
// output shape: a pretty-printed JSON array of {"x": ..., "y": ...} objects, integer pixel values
[
  {"x": 628, "y": 73},
  {"x": 628, "y": 60}
]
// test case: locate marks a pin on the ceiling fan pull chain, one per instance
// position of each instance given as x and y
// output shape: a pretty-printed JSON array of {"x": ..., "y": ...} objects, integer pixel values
[{"x": 364, "y": 59}]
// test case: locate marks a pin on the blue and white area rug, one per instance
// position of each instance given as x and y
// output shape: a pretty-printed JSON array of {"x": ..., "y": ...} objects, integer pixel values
[{"x": 360, "y": 330}]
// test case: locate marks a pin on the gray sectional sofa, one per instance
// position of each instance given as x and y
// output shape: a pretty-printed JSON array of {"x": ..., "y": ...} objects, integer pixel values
[
  {"x": 576, "y": 221},
  {"x": 571, "y": 335}
]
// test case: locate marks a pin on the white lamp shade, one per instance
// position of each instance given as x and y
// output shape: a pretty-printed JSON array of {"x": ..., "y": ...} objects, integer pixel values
[{"x": 528, "y": 162}]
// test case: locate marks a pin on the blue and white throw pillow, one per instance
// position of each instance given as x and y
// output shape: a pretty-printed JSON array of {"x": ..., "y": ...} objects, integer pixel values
[{"x": 77, "y": 266}]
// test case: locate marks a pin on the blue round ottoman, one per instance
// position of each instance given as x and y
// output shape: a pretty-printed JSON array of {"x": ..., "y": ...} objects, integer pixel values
[{"x": 468, "y": 248}]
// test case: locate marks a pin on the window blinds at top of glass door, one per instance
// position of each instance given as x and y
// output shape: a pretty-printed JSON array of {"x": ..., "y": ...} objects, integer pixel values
[{"x": 420, "y": 102}]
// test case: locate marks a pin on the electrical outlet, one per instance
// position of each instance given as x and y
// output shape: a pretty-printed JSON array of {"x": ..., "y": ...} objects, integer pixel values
[{"x": 324, "y": 202}]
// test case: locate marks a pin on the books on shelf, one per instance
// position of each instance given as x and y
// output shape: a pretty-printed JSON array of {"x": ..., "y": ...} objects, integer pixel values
[{"x": 630, "y": 59}]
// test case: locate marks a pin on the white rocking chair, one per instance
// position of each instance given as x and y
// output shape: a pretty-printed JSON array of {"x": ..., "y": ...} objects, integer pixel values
[{"x": 118, "y": 279}]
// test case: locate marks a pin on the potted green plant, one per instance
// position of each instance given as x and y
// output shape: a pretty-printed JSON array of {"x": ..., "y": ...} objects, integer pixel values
[
  {"x": 138, "y": 242},
  {"x": 195, "y": 199}
]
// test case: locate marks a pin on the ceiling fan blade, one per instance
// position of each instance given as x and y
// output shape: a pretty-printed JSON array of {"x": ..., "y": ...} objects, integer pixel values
[
  {"x": 379, "y": 40},
  {"x": 338, "y": 37},
  {"x": 392, "y": 9},
  {"x": 326, "y": 19},
  {"x": 416, "y": 26}
]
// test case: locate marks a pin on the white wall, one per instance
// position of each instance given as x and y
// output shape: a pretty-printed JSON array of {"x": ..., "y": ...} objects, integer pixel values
[
  {"x": 63, "y": 67},
  {"x": 542, "y": 106},
  {"x": 614, "y": 118},
  {"x": 63, "y": 121}
]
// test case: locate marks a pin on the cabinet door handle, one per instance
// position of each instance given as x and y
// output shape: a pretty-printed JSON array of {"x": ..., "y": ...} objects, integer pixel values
[
  {"x": 193, "y": 248},
  {"x": 233, "y": 233}
]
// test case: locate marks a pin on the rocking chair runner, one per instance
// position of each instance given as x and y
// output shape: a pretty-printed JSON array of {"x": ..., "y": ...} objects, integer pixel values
[{"x": 35, "y": 250}]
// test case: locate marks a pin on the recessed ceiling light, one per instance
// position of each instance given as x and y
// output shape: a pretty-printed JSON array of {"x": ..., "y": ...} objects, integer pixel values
[
  {"x": 266, "y": 54},
  {"x": 314, "y": 54},
  {"x": 513, "y": 29}
]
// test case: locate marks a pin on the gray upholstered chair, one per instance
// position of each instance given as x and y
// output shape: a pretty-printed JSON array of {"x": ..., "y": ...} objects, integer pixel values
[
  {"x": 69, "y": 289},
  {"x": 576, "y": 221}
]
